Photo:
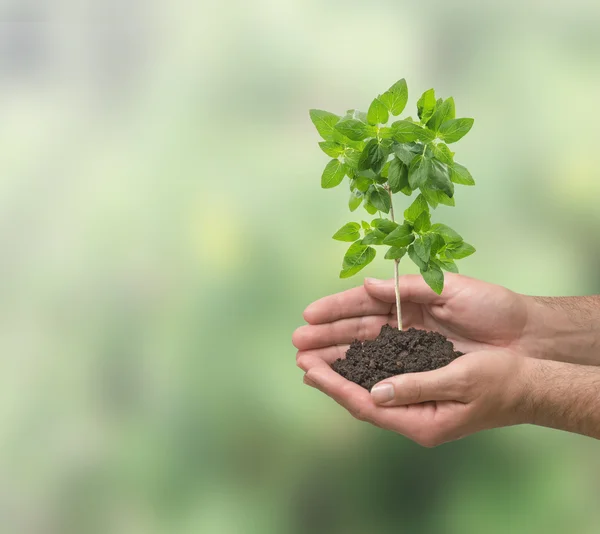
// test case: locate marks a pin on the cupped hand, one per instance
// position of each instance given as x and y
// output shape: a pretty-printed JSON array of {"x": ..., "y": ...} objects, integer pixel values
[
  {"x": 478, "y": 391},
  {"x": 473, "y": 314}
]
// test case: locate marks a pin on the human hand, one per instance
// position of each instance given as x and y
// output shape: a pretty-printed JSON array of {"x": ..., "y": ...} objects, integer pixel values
[
  {"x": 474, "y": 315},
  {"x": 478, "y": 391}
]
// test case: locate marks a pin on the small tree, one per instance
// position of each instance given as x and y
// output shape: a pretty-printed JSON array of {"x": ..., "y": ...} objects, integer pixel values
[{"x": 405, "y": 157}]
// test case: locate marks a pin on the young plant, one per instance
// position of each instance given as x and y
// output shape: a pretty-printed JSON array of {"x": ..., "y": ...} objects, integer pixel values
[{"x": 407, "y": 157}]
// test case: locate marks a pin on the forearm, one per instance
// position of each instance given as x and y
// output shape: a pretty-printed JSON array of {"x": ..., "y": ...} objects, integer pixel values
[
  {"x": 563, "y": 396},
  {"x": 565, "y": 329}
]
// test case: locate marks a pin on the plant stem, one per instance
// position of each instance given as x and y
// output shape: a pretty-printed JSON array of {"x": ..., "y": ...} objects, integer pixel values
[{"x": 396, "y": 269}]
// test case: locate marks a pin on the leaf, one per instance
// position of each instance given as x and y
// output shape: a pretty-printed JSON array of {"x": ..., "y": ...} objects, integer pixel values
[
  {"x": 395, "y": 253},
  {"x": 461, "y": 175},
  {"x": 439, "y": 177},
  {"x": 402, "y": 236},
  {"x": 423, "y": 222},
  {"x": 378, "y": 112},
  {"x": 357, "y": 258},
  {"x": 331, "y": 148},
  {"x": 447, "y": 265},
  {"x": 444, "y": 112},
  {"x": 419, "y": 171},
  {"x": 442, "y": 153},
  {"x": 324, "y": 123},
  {"x": 418, "y": 206},
  {"x": 406, "y": 132},
  {"x": 374, "y": 237},
  {"x": 455, "y": 129},
  {"x": 396, "y": 97},
  {"x": 398, "y": 175},
  {"x": 435, "y": 197},
  {"x": 448, "y": 235},
  {"x": 365, "y": 225},
  {"x": 373, "y": 156},
  {"x": 405, "y": 153},
  {"x": 349, "y": 232},
  {"x": 362, "y": 183},
  {"x": 379, "y": 198},
  {"x": 426, "y": 105},
  {"x": 371, "y": 210},
  {"x": 355, "y": 114},
  {"x": 437, "y": 243},
  {"x": 385, "y": 225},
  {"x": 434, "y": 277},
  {"x": 333, "y": 174},
  {"x": 460, "y": 251},
  {"x": 422, "y": 248},
  {"x": 356, "y": 198},
  {"x": 354, "y": 129},
  {"x": 415, "y": 258},
  {"x": 351, "y": 158}
]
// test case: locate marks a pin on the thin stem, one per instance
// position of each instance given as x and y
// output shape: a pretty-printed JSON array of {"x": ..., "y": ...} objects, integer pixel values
[{"x": 396, "y": 269}]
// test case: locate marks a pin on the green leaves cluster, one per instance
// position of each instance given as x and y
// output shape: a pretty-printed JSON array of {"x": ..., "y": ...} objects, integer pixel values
[{"x": 407, "y": 156}]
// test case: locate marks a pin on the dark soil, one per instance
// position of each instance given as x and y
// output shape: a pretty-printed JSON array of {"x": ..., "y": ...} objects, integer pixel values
[{"x": 395, "y": 352}]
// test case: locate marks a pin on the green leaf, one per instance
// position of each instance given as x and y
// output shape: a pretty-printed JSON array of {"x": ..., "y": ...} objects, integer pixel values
[
  {"x": 439, "y": 178},
  {"x": 374, "y": 237},
  {"x": 362, "y": 183},
  {"x": 426, "y": 105},
  {"x": 374, "y": 156},
  {"x": 419, "y": 171},
  {"x": 398, "y": 175},
  {"x": 371, "y": 210},
  {"x": 455, "y": 129},
  {"x": 379, "y": 198},
  {"x": 395, "y": 253},
  {"x": 415, "y": 258},
  {"x": 324, "y": 122},
  {"x": 365, "y": 225},
  {"x": 434, "y": 277},
  {"x": 333, "y": 174},
  {"x": 331, "y": 148},
  {"x": 354, "y": 129},
  {"x": 444, "y": 112},
  {"x": 406, "y": 132},
  {"x": 349, "y": 232},
  {"x": 357, "y": 258},
  {"x": 351, "y": 158},
  {"x": 355, "y": 114},
  {"x": 422, "y": 248},
  {"x": 461, "y": 175},
  {"x": 402, "y": 236},
  {"x": 435, "y": 197},
  {"x": 437, "y": 243},
  {"x": 442, "y": 153},
  {"x": 423, "y": 222},
  {"x": 405, "y": 153},
  {"x": 385, "y": 225},
  {"x": 396, "y": 97},
  {"x": 448, "y": 235},
  {"x": 356, "y": 198},
  {"x": 416, "y": 208},
  {"x": 460, "y": 251},
  {"x": 447, "y": 265},
  {"x": 378, "y": 113}
]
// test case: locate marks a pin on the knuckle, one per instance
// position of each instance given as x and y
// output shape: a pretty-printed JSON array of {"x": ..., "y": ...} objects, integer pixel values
[{"x": 411, "y": 391}]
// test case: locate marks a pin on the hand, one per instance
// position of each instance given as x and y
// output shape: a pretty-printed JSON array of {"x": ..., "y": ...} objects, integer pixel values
[
  {"x": 478, "y": 391},
  {"x": 474, "y": 315}
]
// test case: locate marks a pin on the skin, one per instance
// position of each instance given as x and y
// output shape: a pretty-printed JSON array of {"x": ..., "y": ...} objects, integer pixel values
[{"x": 529, "y": 359}]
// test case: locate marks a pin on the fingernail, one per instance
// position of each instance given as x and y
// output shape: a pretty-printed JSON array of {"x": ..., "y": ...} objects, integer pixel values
[
  {"x": 373, "y": 281},
  {"x": 382, "y": 393}
]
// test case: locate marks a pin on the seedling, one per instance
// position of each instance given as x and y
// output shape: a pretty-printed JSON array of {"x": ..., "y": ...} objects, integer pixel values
[{"x": 407, "y": 157}]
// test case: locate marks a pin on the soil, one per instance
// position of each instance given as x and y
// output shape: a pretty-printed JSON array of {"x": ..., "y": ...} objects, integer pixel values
[{"x": 395, "y": 352}]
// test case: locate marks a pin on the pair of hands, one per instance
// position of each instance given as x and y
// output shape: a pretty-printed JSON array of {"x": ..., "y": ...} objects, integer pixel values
[{"x": 490, "y": 386}]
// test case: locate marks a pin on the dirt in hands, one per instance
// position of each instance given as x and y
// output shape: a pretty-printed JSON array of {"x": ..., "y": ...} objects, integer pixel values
[{"x": 395, "y": 352}]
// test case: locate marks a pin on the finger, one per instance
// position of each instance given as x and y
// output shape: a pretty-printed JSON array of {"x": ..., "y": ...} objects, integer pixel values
[
  {"x": 304, "y": 358},
  {"x": 445, "y": 384},
  {"x": 340, "y": 332},
  {"x": 352, "y": 303},
  {"x": 348, "y": 394},
  {"x": 412, "y": 288},
  {"x": 309, "y": 382}
]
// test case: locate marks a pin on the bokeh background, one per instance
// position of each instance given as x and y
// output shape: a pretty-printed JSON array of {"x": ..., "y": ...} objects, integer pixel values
[{"x": 162, "y": 228}]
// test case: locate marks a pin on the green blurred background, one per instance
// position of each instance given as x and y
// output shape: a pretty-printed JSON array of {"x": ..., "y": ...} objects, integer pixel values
[{"x": 162, "y": 228}]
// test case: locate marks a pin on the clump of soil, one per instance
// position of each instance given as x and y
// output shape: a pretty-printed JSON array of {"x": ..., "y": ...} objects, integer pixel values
[{"x": 395, "y": 352}]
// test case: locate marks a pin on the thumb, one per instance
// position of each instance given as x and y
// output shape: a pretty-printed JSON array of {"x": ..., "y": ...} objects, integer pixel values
[
  {"x": 412, "y": 288},
  {"x": 445, "y": 384}
]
